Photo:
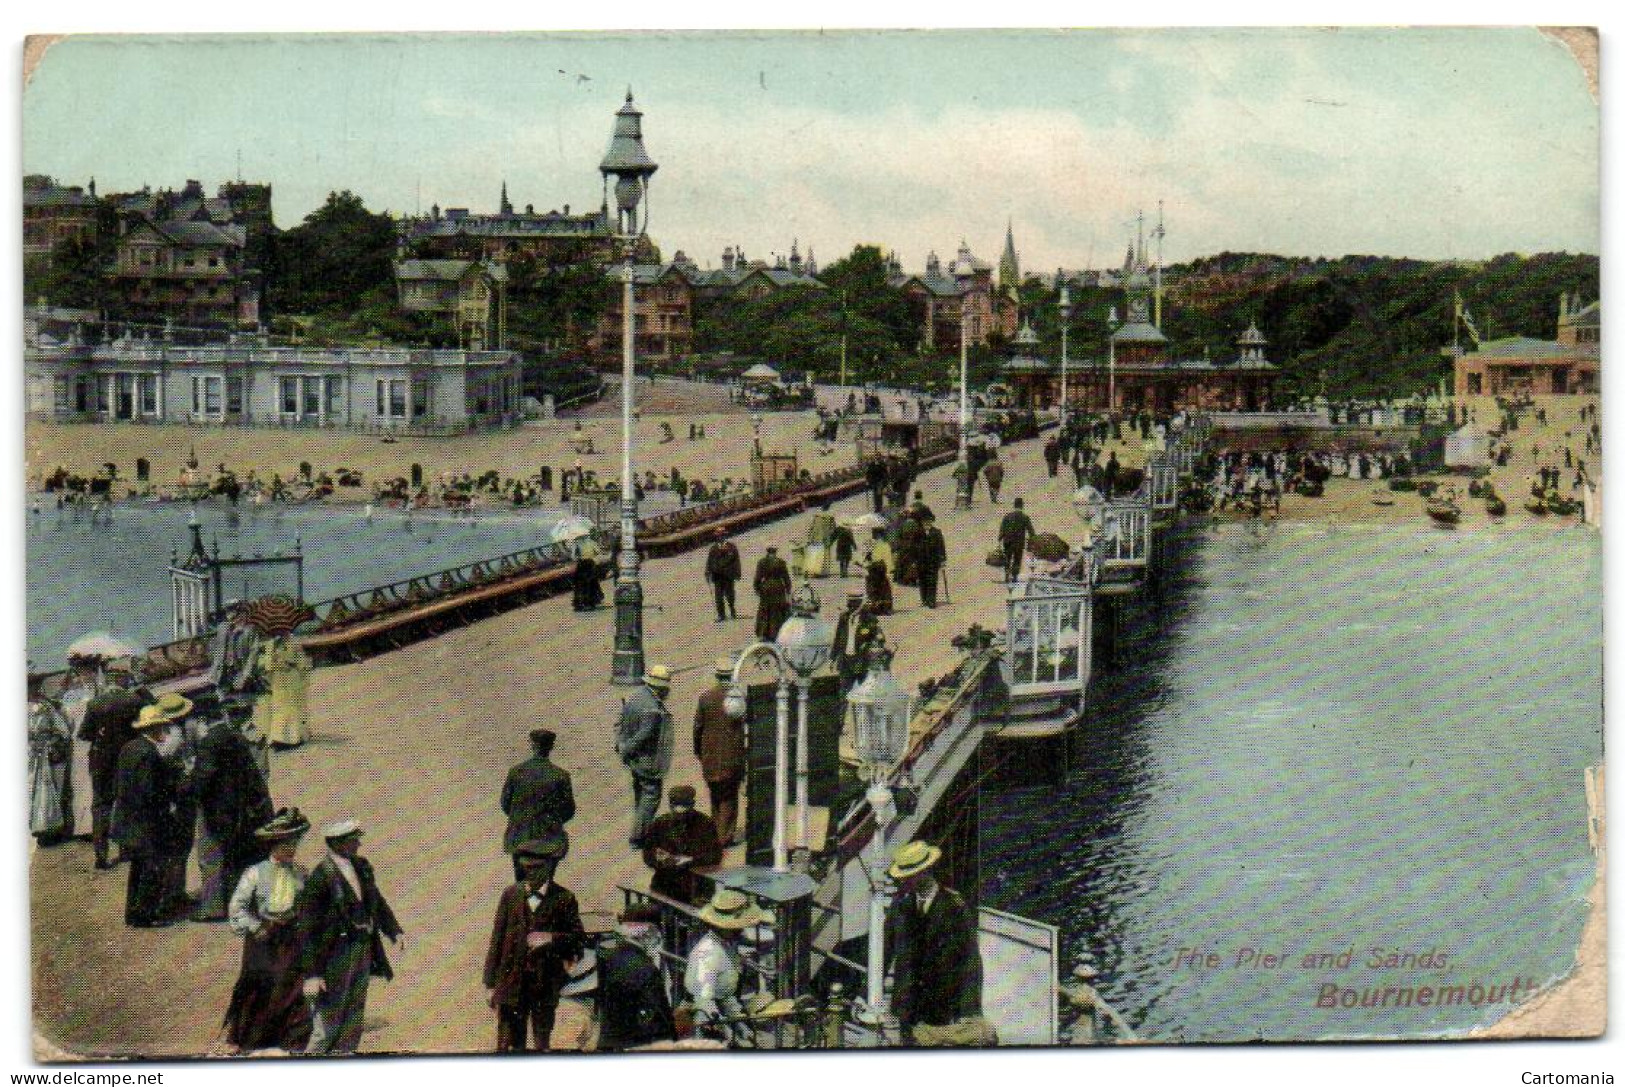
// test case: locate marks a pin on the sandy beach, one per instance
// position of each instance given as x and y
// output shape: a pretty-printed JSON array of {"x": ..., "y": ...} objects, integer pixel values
[{"x": 415, "y": 743}]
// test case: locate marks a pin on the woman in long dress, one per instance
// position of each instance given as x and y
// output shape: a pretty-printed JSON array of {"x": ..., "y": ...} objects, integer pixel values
[
  {"x": 283, "y": 711},
  {"x": 50, "y": 746},
  {"x": 268, "y": 1009}
]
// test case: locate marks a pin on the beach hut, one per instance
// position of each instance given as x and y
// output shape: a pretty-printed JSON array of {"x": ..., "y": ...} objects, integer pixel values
[{"x": 1467, "y": 448}]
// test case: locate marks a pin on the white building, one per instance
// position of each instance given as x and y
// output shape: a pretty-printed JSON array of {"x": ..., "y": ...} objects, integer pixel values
[{"x": 247, "y": 382}]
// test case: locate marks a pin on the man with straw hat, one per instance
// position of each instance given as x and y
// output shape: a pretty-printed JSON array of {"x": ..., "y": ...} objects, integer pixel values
[
  {"x": 268, "y": 1009},
  {"x": 931, "y": 937},
  {"x": 151, "y": 823},
  {"x": 342, "y": 921},
  {"x": 643, "y": 740},
  {"x": 715, "y": 967},
  {"x": 524, "y": 963}
]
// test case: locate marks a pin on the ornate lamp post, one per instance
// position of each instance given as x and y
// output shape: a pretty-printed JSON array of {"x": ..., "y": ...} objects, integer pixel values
[
  {"x": 1066, "y": 320},
  {"x": 880, "y": 714},
  {"x": 632, "y": 167},
  {"x": 965, "y": 271},
  {"x": 805, "y": 641},
  {"x": 1111, "y": 361}
]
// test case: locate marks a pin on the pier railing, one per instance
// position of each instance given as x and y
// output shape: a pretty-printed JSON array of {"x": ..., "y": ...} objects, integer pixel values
[{"x": 1125, "y": 537}]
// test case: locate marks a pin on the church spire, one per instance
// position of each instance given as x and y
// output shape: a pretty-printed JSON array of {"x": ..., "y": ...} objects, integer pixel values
[
  {"x": 1009, "y": 264},
  {"x": 505, "y": 207}
]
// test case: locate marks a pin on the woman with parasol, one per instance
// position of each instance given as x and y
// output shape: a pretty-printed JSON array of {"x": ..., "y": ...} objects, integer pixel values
[
  {"x": 268, "y": 1009},
  {"x": 282, "y": 711}
]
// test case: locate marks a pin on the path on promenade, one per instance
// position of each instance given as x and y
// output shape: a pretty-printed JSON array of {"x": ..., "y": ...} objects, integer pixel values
[{"x": 416, "y": 743}]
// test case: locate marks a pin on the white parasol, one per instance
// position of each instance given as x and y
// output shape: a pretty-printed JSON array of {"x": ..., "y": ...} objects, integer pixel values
[
  {"x": 571, "y": 528},
  {"x": 100, "y": 646},
  {"x": 870, "y": 520}
]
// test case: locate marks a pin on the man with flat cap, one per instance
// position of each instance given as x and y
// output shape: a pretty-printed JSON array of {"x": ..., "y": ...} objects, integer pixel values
[
  {"x": 342, "y": 921},
  {"x": 643, "y": 739},
  {"x": 537, "y": 797},
  {"x": 931, "y": 944},
  {"x": 722, "y": 570},
  {"x": 679, "y": 842},
  {"x": 537, "y": 922},
  {"x": 719, "y": 744}
]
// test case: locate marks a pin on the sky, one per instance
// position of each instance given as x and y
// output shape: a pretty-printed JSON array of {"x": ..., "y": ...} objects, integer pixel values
[{"x": 1430, "y": 143}]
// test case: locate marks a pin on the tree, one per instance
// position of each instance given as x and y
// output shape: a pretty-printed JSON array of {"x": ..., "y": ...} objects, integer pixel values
[{"x": 329, "y": 262}]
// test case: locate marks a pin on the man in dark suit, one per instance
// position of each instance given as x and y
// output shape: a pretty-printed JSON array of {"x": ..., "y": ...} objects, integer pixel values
[
  {"x": 679, "y": 842},
  {"x": 1014, "y": 531},
  {"x": 932, "y": 557},
  {"x": 772, "y": 584},
  {"x": 107, "y": 727},
  {"x": 233, "y": 802},
  {"x": 722, "y": 570},
  {"x": 342, "y": 922},
  {"x": 537, "y": 798},
  {"x": 537, "y": 925},
  {"x": 719, "y": 744},
  {"x": 150, "y": 814},
  {"x": 931, "y": 944}
]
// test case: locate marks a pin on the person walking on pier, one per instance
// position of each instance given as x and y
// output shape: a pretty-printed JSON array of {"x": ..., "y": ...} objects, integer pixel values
[
  {"x": 343, "y": 919},
  {"x": 772, "y": 585},
  {"x": 537, "y": 797},
  {"x": 994, "y": 474},
  {"x": 931, "y": 943},
  {"x": 677, "y": 843},
  {"x": 719, "y": 744},
  {"x": 151, "y": 822},
  {"x": 233, "y": 803},
  {"x": 268, "y": 1008},
  {"x": 1052, "y": 457},
  {"x": 643, "y": 740},
  {"x": 933, "y": 556},
  {"x": 1014, "y": 532},
  {"x": 845, "y": 544},
  {"x": 108, "y": 725},
  {"x": 537, "y": 929},
  {"x": 874, "y": 474},
  {"x": 722, "y": 570}
]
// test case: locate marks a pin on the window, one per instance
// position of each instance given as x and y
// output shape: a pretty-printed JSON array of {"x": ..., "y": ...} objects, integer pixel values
[
  {"x": 211, "y": 396},
  {"x": 420, "y": 399},
  {"x": 63, "y": 395},
  {"x": 397, "y": 400},
  {"x": 149, "y": 394},
  {"x": 234, "y": 395},
  {"x": 378, "y": 409},
  {"x": 290, "y": 396},
  {"x": 313, "y": 396},
  {"x": 335, "y": 397},
  {"x": 82, "y": 395}
]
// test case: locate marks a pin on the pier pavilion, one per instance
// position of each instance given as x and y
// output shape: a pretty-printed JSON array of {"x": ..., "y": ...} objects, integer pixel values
[{"x": 73, "y": 377}]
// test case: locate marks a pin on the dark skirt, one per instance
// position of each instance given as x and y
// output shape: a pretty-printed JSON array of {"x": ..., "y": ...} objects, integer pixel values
[{"x": 268, "y": 1008}]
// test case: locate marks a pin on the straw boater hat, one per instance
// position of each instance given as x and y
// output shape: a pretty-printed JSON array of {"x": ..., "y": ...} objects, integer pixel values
[
  {"x": 289, "y": 823},
  {"x": 344, "y": 828},
  {"x": 581, "y": 976},
  {"x": 169, "y": 708},
  {"x": 658, "y": 676},
  {"x": 912, "y": 859},
  {"x": 731, "y": 911},
  {"x": 725, "y": 667}
]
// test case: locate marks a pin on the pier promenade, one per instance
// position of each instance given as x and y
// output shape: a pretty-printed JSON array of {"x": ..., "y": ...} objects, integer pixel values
[{"x": 415, "y": 744}]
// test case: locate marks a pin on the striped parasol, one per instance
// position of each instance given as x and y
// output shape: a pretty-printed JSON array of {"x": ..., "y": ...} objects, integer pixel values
[{"x": 274, "y": 616}]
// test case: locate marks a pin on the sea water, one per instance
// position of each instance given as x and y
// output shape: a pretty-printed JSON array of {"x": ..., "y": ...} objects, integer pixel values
[
  {"x": 111, "y": 572},
  {"x": 1332, "y": 760}
]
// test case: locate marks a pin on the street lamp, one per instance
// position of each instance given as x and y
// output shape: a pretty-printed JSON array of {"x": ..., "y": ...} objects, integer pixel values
[
  {"x": 630, "y": 163},
  {"x": 806, "y": 641},
  {"x": 1111, "y": 361},
  {"x": 962, "y": 493},
  {"x": 880, "y": 716},
  {"x": 1066, "y": 319}
]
